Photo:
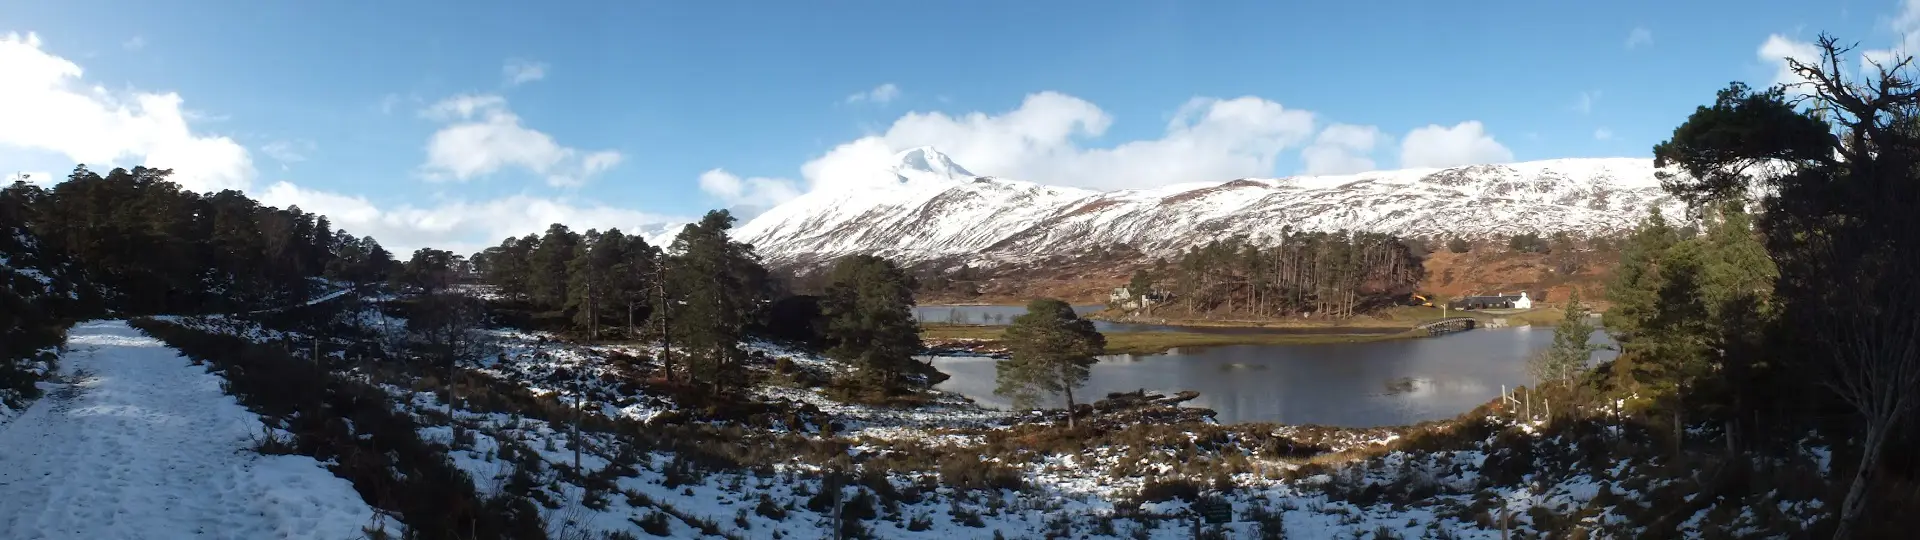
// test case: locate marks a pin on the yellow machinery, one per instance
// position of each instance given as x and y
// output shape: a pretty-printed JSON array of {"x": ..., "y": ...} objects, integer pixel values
[{"x": 1424, "y": 301}]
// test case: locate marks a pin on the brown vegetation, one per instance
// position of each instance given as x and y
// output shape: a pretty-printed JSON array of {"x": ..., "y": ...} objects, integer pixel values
[{"x": 1487, "y": 267}]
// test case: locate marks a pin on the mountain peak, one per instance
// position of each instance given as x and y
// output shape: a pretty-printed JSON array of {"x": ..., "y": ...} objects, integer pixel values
[{"x": 927, "y": 161}]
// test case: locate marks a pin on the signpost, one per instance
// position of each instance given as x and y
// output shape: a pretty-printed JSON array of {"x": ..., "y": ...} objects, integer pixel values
[{"x": 1215, "y": 510}]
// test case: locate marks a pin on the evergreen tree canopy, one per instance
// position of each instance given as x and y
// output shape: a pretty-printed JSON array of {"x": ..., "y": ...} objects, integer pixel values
[
  {"x": 1335, "y": 274},
  {"x": 150, "y": 247},
  {"x": 1633, "y": 289},
  {"x": 547, "y": 266},
  {"x": 430, "y": 270},
  {"x": 594, "y": 283},
  {"x": 602, "y": 280},
  {"x": 507, "y": 266},
  {"x": 1691, "y": 313},
  {"x": 869, "y": 310},
  {"x": 715, "y": 288},
  {"x": 1835, "y": 172},
  {"x": 1053, "y": 352},
  {"x": 1141, "y": 284},
  {"x": 1571, "y": 348}
]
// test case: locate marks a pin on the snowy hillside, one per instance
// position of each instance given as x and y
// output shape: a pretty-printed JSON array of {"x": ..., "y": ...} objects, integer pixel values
[{"x": 936, "y": 208}]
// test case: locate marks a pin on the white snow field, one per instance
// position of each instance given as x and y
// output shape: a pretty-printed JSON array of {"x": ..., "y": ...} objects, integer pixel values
[{"x": 141, "y": 443}]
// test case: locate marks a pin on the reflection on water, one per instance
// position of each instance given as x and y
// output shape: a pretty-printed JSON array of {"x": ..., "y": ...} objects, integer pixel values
[
  {"x": 1002, "y": 315},
  {"x": 1406, "y": 385},
  {"x": 981, "y": 314},
  {"x": 1341, "y": 384}
]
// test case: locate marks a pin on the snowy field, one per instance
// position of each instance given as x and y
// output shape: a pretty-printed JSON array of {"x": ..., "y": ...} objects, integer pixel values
[
  {"x": 1367, "y": 484},
  {"x": 138, "y": 442}
]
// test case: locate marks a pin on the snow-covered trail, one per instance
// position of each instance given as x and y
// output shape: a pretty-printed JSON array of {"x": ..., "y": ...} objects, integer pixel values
[{"x": 143, "y": 444}]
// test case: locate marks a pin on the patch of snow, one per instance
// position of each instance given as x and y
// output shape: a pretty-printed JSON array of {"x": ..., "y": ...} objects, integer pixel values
[{"x": 141, "y": 443}]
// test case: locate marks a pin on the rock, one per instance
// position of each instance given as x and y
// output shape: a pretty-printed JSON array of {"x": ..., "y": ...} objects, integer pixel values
[{"x": 1182, "y": 397}]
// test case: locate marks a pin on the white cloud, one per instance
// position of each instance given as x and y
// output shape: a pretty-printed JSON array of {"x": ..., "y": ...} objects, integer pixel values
[
  {"x": 288, "y": 151},
  {"x": 464, "y": 106},
  {"x": 134, "y": 43},
  {"x": 1341, "y": 149},
  {"x": 1777, "y": 49},
  {"x": 518, "y": 71},
  {"x": 1602, "y": 134},
  {"x": 45, "y": 106},
  {"x": 880, "y": 94},
  {"x": 1640, "y": 36},
  {"x": 599, "y": 162},
  {"x": 388, "y": 102},
  {"x": 1584, "y": 103},
  {"x": 484, "y": 136},
  {"x": 1466, "y": 143},
  {"x": 755, "y": 193},
  {"x": 1906, "y": 25},
  {"x": 459, "y": 226},
  {"x": 1208, "y": 139}
]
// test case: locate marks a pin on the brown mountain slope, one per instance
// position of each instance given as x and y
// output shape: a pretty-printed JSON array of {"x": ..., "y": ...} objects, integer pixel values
[{"x": 1550, "y": 277}]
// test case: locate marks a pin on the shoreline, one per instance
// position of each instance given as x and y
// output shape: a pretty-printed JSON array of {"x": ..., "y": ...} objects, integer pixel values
[
  {"x": 985, "y": 340},
  {"x": 1396, "y": 318},
  {"x": 1402, "y": 318},
  {"x": 1178, "y": 333},
  {"x": 1356, "y": 323}
]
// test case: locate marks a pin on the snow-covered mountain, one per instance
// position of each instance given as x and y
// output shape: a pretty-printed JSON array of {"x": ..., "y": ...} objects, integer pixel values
[{"x": 936, "y": 208}]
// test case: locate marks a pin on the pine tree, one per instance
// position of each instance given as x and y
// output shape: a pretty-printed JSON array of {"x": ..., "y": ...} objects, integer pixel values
[
  {"x": 1691, "y": 314},
  {"x": 507, "y": 266},
  {"x": 547, "y": 267},
  {"x": 1053, "y": 352},
  {"x": 592, "y": 278},
  {"x": 633, "y": 282},
  {"x": 581, "y": 291},
  {"x": 150, "y": 246},
  {"x": 430, "y": 270},
  {"x": 715, "y": 288},
  {"x": 1674, "y": 344},
  {"x": 1335, "y": 274},
  {"x": 1140, "y": 286},
  {"x": 1840, "y": 225},
  {"x": 869, "y": 310},
  {"x": 1736, "y": 284},
  {"x": 1571, "y": 349},
  {"x": 1634, "y": 288}
]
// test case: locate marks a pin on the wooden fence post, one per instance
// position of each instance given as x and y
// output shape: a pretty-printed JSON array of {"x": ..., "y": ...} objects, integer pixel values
[{"x": 1503, "y": 522}]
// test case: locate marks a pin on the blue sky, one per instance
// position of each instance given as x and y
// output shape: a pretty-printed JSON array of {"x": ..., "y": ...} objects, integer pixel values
[{"x": 405, "y": 120}]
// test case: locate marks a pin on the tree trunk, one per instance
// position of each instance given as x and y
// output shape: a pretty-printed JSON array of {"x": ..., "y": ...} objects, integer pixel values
[
  {"x": 1679, "y": 430},
  {"x": 1069, "y": 406},
  {"x": 451, "y": 395},
  {"x": 579, "y": 410},
  {"x": 593, "y": 313},
  {"x": 1856, "y": 501},
  {"x": 666, "y": 325}
]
